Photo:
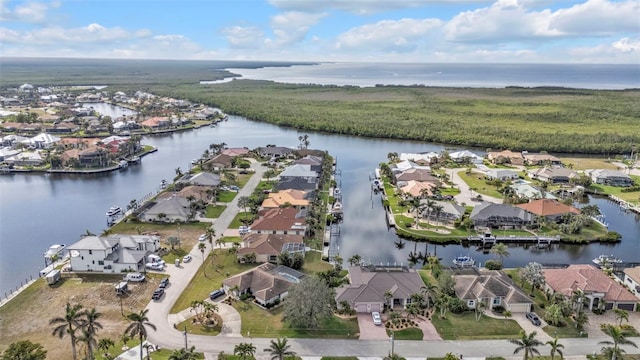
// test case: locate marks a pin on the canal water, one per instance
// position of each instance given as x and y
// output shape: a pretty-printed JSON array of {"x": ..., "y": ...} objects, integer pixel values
[{"x": 37, "y": 211}]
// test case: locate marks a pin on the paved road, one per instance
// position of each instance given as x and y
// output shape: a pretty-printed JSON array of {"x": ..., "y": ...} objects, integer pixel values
[
  {"x": 166, "y": 336},
  {"x": 466, "y": 195}
]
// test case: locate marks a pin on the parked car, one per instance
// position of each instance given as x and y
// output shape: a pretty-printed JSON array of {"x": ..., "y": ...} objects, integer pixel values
[
  {"x": 203, "y": 237},
  {"x": 377, "y": 319},
  {"x": 216, "y": 294},
  {"x": 135, "y": 277},
  {"x": 535, "y": 320},
  {"x": 186, "y": 258},
  {"x": 234, "y": 188},
  {"x": 155, "y": 266},
  {"x": 242, "y": 230},
  {"x": 164, "y": 283},
  {"x": 157, "y": 294}
]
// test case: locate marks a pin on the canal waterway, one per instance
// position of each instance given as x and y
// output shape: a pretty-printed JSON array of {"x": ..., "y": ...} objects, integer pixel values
[{"x": 37, "y": 211}]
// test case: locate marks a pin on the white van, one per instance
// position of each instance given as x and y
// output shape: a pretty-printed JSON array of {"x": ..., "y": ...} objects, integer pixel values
[
  {"x": 135, "y": 277},
  {"x": 155, "y": 259}
]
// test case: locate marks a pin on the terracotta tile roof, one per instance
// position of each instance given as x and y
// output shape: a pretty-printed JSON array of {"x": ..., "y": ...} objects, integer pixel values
[
  {"x": 235, "y": 151},
  {"x": 291, "y": 196},
  {"x": 633, "y": 273},
  {"x": 587, "y": 278},
  {"x": 414, "y": 188},
  {"x": 279, "y": 219},
  {"x": 546, "y": 207},
  {"x": 489, "y": 284}
]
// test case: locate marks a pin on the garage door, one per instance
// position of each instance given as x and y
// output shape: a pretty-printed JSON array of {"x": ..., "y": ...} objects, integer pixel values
[
  {"x": 608, "y": 306},
  {"x": 628, "y": 307},
  {"x": 518, "y": 308}
]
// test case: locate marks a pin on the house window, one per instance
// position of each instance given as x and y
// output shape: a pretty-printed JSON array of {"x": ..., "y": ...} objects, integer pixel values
[
  {"x": 496, "y": 301},
  {"x": 274, "y": 232},
  {"x": 93, "y": 262},
  {"x": 285, "y": 232},
  {"x": 90, "y": 252},
  {"x": 100, "y": 262}
]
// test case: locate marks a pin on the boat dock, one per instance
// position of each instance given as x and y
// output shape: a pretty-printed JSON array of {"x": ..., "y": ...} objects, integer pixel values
[
  {"x": 488, "y": 241},
  {"x": 625, "y": 204}
]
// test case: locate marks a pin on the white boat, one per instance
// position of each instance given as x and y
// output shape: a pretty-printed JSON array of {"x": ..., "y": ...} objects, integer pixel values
[
  {"x": 336, "y": 191},
  {"x": 464, "y": 261},
  {"x": 56, "y": 249},
  {"x": 114, "y": 210},
  {"x": 163, "y": 183},
  {"x": 123, "y": 164},
  {"x": 606, "y": 259},
  {"x": 134, "y": 160}
]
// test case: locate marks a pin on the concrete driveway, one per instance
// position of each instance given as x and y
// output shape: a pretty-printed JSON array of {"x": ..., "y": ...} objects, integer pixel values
[{"x": 370, "y": 331}]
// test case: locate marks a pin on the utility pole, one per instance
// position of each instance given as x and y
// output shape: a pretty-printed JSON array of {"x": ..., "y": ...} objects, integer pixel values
[
  {"x": 185, "y": 338},
  {"x": 391, "y": 339}
]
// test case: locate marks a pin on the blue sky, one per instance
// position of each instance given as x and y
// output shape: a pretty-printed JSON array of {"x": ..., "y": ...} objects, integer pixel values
[{"x": 517, "y": 31}]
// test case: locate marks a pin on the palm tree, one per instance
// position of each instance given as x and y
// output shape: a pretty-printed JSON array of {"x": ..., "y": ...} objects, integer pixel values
[
  {"x": 429, "y": 291},
  {"x": 618, "y": 338},
  {"x": 279, "y": 349},
  {"x": 210, "y": 233},
  {"x": 244, "y": 202},
  {"x": 68, "y": 324},
  {"x": 182, "y": 354},
  {"x": 399, "y": 244},
  {"x": 219, "y": 242},
  {"x": 104, "y": 345},
  {"x": 621, "y": 315},
  {"x": 388, "y": 295},
  {"x": 90, "y": 327},
  {"x": 138, "y": 326},
  {"x": 528, "y": 343},
  {"x": 500, "y": 250},
  {"x": 354, "y": 260},
  {"x": 202, "y": 247},
  {"x": 244, "y": 350},
  {"x": 89, "y": 342},
  {"x": 555, "y": 348}
]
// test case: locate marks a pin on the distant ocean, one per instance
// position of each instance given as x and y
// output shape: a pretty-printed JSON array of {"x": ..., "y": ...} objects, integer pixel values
[{"x": 583, "y": 76}]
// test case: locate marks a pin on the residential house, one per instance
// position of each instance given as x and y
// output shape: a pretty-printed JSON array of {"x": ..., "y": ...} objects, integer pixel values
[
  {"x": 420, "y": 159},
  {"x": 501, "y": 174},
  {"x": 12, "y": 140},
  {"x": 416, "y": 189},
  {"x": 280, "y": 221},
  {"x": 156, "y": 123},
  {"x": 63, "y": 128},
  {"x": 7, "y": 152},
  {"x": 25, "y": 158},
  {"x": 304, "y": 184},
  {"x": 315, "y": 162},
  {"x": 402, "y": 166},
  {"x": 632, "y": 279},
  {"x": 465, "y": 157},
  {"x": 552, "y": 210},
  {"x": 173, "y": 209},
  {"x": 267, "y": 283},
  {"x": 528, "y": 191},
  {"x": 233, "y": 152},
  {"x": 267, "y": 247},
  {"x": 112, "y": 254},
  {"x": 416, "y": 174},
  {"x": 290, "y": 197},
  {"x": 610, "y": 177},
  {"x": 448, "y": 212},
  {"x": 93, "y": 156},
  {"x": 371, "y": 287},
  {"x": 505, "y": 157},
  {"x": 595, "y": 284},
  {"x": 202, "y": 178},
  {"x": 301, "y": 171},
  {"x": 553, "y": 175},
  {"x": 198, "y": 192},
  {"x": 540, "y": 159},
  {"x": 275, "y": 152},
  {"x": 42, "y": 141},
  {"x": 218, "y": 162},
  {"x": 492, "y": 288},
  {"x": 489, "y": 215}
]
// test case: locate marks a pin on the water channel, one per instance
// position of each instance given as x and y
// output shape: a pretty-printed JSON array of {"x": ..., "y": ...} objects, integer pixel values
[{"x": 37, "y": 211}]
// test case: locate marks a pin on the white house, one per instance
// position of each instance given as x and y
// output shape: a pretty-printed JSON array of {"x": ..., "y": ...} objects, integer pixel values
[
  {"x": 42, "y": 141},
  {"x": 112, "y": 254},
  {"x": 632, "y": 279},
  {"x": 502, "y": 174},
  {"x": 465, "y": 155}
]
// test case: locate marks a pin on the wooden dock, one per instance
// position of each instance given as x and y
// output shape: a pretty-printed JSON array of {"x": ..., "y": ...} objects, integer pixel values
[
  {"x": 625, "y": 204},
  {"x": 490, "y": 241}
]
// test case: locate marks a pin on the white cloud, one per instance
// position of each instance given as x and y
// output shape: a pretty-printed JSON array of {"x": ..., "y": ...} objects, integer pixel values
[
  {"x": 240, "y": 37},
  {"x": 292, "y": 27},
  {"x": 627, "y": 45},
  {"x": 92, "y": 33},
  {"x": 387, "y": 35},
  {"x": 509, "y": 20},
  {"x": 30, "y": 12},
  {"x": 625, "y": 50},
  {"x": 361, "y": 7}
]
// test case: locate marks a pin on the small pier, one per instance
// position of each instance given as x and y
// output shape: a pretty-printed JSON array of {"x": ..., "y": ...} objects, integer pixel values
[
  {"x": 331, "y": 246},
  {"x": 625, "y": 204},
  {"x": 488, "y": 241}
]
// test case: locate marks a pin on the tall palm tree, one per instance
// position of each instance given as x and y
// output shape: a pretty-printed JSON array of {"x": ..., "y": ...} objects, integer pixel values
[
  {"x": 528, "y": 343},
  {"x": 618, "y": 338},
  {"x": 621, "y": 315},
  {"x": 429, "y": 291},
  {"x": 354, "y": 260},
  {"x": 89, "y": 341},
  {"x": 244, "y": 202},
  {"x": 211, "y": 234},
  {"x": 68, "y": 324},
  {"x": 500, "y": 250},
  {"x": 555, "y": 348},
  {"x": 279, "y": 349},
  {"x": 244, "y": 350},
  {"x": 104, "y": 345},
  {"x": 202, "y": 247},
  {"x": 138, "y": 326},
  {"x": 184, "y": 354},
  {"x": 90, "y": 327}
]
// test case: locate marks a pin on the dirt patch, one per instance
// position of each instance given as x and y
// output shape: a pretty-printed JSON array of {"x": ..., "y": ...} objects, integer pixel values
[{"x": 27, "y": 316}]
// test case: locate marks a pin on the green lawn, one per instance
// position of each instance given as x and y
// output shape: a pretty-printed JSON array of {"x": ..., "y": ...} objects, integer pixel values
[
  {"x": 226, "y": 196},
  {"x": 339, "y": 358},
  {"x": 217, "y": 268},
  {"x": 133, "y": 227},
  {"x": 449, "y": 191},
  {"x": 214, "y": 211},
  {"x": 198, "y": 329},
  {"x": 237, "y": 221},
  {"x": 174, "y": 254},
  {"x": 258, "y": 322},
  {"x": 632, "y": 197},
  {"x": 313, "y": 263},
  {"x": 231, "y": 239},
  {"x": 164, "y": 354},
  {"x": 407, "y": 334},
  {"x": 465, "y": 327},
  {"x": 476, "y": 181},
  {"x": 588, "y": 163}
]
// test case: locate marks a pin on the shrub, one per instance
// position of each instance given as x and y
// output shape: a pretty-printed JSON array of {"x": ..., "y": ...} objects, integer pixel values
[
  {"x": 499, "y": 309},
  {"x": 458, "y": 306},
  {"x": 493, "y": 265}
]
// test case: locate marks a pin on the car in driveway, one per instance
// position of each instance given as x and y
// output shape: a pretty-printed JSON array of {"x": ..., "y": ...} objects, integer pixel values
[
  {"x": 202, "y": 237},
  {"x": 164, "y": 283},
  {"x": 216, "y": 294},
  {"x": 186, "y": 258},
  {"x": 377, "y": 319},
  {"x": 157, "y": 294},
  {"x": 535, "y": 320}
]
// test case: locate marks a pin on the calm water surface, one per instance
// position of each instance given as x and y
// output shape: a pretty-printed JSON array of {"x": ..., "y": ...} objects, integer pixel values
[{"x": 39, "y": 210}]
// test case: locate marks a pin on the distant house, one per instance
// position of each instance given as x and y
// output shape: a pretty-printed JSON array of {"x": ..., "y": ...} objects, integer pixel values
[
  {"x": 297, "y": 183},
  {"x": 12, "y": 140},
  {"x": 416, "y": 174},
  {"x": 275, "y": 151},
  {"x": 7, "y": 152},
  {"x": 610, "y": 177},
  {"x": 505, "y": 157},
  {"x": 529, "y": 191},
  {"x": 501, "y": 174},
  {"x": 93, "y": 156},
  {"x": 489, "y": 215},
  {"x": 300, "y": 171},
  {"x": 368, "y": 285},
  {"x": 156, "y": 123},
  {"x": 112, "y": 254},
  {"x": 596, "y": 286},
  {"x": 465, "y": 157},
  {"x": 199, "y": 193},
  {"x": 315, "y": 162},
  {"x": 421, "y": 159},
  {"x": 402, "y": 166},
  {"x": 552, "y": 210},
  {"x": 267, "y": 247},
  {"x": 42, "y": 141},
  {"x": 25, "y": 158},
  {"x": 233, "y": 152},
  {"x": 168, "y": 210},
  {"x": 280, "y": 221},
  {"x": 417, "y": 189},
  {"x": 540, "y": 159},
  {"x": 632, "y": 279},
  {"x": 268, "y": 283},
  {"x": 553, "y": 175},
  {"x": 218, "y": 162},
  {"x": 449, "y": 211},
  {"x": 493, "y": 288},
  {"x": 63, "y": 128},
  {"x": 290, "y": 197},
  {"x": 202, "y": 178}
]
